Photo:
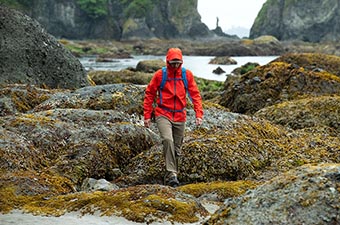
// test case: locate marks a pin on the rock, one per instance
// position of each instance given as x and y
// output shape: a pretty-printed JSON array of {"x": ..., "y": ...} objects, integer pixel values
[
  {"x": 223, "y": 60},
  {"x": 91, "y": 184},
  {"x": 310, "y": 194},
  {"x": 244, "y": 68},
  {"x": 298, "y": 20},
  {"x": 316, "y": 62},
  {"x": 274, "y": 83},
  {"x": 123, "y": 76},
  {"x": 150, "y": 66},
  {"x": 266, "y": 39},
  {"x": 118, "y": 20},
  {"x": 306, "y": 113},
  {"x": 218, "y": 71},
  {"x": 20, "y": 98},
  {"x": 29, "y": 55}
]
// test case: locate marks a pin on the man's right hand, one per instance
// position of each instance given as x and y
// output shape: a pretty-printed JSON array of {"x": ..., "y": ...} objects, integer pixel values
[{"x": 147, "y": 123}]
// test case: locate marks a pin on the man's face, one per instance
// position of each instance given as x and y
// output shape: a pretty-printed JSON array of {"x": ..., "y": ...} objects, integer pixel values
[{"x": 175, "y": 63}]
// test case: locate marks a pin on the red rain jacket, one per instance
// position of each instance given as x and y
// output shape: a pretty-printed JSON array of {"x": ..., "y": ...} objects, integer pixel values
[{"x": 173, "y": 93}]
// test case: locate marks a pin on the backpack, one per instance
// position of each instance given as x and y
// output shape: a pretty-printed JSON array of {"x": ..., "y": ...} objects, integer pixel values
[{"x": 165, "y": 78}]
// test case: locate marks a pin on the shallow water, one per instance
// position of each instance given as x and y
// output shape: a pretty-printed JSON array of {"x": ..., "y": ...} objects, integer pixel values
[
  {"x": 199, "y": 65},
  {"x": 18, "y": 218}
]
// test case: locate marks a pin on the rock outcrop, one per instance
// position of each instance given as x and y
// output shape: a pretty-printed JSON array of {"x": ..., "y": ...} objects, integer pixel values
[
  {"x": 310, "y": 21},
  {"x": 280, "y": 81},
  {"x": 119, "y": 20},
  {"x": 29, "y": 55},
  {"x": 307, "y": 195}
]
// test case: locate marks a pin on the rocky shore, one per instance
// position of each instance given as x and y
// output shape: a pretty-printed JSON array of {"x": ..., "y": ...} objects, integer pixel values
[{"x": 268, "y": 151}]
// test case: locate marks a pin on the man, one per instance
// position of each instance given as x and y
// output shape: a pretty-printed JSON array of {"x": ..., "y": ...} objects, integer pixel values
[{"x": 170, "y": 111}]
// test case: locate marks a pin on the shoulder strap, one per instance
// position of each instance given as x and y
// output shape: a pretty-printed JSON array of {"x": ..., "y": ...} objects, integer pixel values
[
  {"x": 184, "y": 78},
  {"x": 185, "y": 81},
  {"x": 164, "y": 77}
]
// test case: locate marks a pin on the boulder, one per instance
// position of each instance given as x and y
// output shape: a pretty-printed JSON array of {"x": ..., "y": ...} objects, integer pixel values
[
  {"x": 308, "y": 195},
  {"x": 218, "y": 71},
  {"x": 274, "y": 83},
  {"x": 223, "y": 60},
  {"x": 29, "y": 55}
]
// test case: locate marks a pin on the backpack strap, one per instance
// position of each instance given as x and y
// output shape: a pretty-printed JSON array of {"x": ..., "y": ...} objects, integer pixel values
[
  {"x": 161, "y": 86},
  {"x": 164, "y": 77},
  {"x": 185, "y": 81}
]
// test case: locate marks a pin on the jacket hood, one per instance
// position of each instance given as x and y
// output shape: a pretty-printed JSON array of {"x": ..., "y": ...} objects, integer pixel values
[{"x": 174, "y": 53}]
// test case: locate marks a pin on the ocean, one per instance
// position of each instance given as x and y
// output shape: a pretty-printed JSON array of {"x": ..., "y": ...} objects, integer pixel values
[{"x": 199, "y": 65}]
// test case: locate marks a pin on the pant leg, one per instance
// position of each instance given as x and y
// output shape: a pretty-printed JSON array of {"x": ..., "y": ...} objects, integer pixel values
[
  {"x": 165, "y": 129},
  {"x": 178, "y": 136}
]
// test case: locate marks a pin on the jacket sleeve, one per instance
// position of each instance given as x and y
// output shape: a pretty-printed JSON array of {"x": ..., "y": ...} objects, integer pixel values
[
  {"x": 150, "y": 94},
  {"x": 195, "y": 95}
]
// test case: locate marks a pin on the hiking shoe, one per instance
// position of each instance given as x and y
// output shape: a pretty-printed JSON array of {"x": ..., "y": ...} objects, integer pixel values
[{"x": 172, "y": 180}]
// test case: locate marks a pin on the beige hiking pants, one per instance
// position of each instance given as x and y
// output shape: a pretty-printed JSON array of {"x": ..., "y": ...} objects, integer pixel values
[{"x": 172, "y": 134}]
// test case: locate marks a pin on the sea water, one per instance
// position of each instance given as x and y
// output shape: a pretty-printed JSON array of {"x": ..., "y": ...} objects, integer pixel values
[{"x": 199, "y": 65}]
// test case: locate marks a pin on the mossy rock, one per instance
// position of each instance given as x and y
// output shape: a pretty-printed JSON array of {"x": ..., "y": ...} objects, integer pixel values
[
  {"x": 75, "y": 143},
  {"x": 306, "y": 113},
  {"x": 20, "y": 98},
  {"x": 142, "y": 204},
  {"x": 313, "y": 61},
  {"x": 310, "y": 194},
  {"x": 150, "y": 66},
  {"x": 274, "y": 83}
]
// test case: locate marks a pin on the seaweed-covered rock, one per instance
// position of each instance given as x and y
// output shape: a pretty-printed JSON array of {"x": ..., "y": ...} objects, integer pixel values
[
  {"x": 124, "y": 97},
  {"x": 75, "y": 143},
  {"x": 96, "y": 132},
  {"x": 313, "y": 61},
  {"x": 123, "y": 76},
  {"x": 306, "y": 113},
  {"x": 274, "y": 83},
  {"x": 308, "y": 195},
  {"x": 20, "y": 98},
  {"x": 150, "y": 66},
  {"x": 29, "y": 55}
]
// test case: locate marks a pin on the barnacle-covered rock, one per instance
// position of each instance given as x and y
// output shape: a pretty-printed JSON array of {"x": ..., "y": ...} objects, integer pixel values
[{"x": 308, "y": 195}]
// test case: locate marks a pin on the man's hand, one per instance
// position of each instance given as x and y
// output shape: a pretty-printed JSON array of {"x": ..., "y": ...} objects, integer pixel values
[
  {"x": 147, "y": 122},
  {"x": 199, "y": 121}
]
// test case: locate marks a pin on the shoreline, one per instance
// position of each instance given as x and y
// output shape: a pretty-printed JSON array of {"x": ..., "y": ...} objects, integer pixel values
[{"x": 19, "y": 217}]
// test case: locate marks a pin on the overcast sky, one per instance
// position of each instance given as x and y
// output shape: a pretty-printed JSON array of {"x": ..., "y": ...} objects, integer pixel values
[{"x": 231, "y": 13}]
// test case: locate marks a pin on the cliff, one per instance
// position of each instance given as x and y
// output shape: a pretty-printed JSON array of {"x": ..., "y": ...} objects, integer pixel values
[
  {"x": 305, "y": 20},
  {"x": 117, "y": 19}
]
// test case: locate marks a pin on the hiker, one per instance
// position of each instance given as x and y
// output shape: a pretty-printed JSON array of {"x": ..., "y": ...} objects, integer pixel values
[{"x": 169, "y": 86}]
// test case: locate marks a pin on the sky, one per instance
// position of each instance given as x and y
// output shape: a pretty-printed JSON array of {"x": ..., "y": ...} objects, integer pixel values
[{"x": 232, "y": 14}]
